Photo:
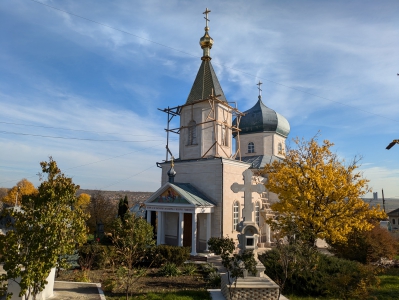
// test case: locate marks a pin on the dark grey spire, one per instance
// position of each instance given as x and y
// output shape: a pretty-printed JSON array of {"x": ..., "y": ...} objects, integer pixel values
[{"x": 206, "y": 83}]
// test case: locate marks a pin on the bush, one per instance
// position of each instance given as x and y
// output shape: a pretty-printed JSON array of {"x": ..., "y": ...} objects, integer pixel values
[
  {"x": 87, "y": 255},
  {"x": 189, "y": 269},
  {"x": 368, "y": 246},
  {"x": 318, "y": 274},
  {"x": 214, "y": 279},
  {"x": 172, "y": 254},
  {"x": 169, "y": 270}
]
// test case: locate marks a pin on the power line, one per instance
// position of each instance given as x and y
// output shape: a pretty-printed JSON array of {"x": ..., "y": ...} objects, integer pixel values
[
  {"x": 78, "y": 130},
  {"x": 73, "y": 138},
  {"x": 128, "y": 177},
  {"x": 95, "y": 162},
  {"x": 223, "y": 65}
]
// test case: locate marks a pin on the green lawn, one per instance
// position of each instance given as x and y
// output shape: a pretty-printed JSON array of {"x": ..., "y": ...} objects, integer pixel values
[
  {"x": 389, "y": 287},
  {"x": 181, "y": 295}
]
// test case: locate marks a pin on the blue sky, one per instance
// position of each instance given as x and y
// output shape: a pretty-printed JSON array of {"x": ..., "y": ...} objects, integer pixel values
[{"x": 326, "y": 65}]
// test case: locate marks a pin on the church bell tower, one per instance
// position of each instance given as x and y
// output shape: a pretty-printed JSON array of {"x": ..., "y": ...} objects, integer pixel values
[{"x": 206, "y": 117}]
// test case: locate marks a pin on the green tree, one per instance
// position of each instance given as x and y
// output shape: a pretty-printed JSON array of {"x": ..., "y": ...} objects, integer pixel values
[
  {"x": 235, "y": 264},
  {"x": 319, "y": 196},
  {"x": 23, "y": 187},
  {"x": 133, "y": 239},
  {"x": 123, "y": 207},
  {"x": 45, "y": 228}
]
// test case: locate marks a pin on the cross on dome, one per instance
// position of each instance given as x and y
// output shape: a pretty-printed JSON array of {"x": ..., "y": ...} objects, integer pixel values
[
  {"x": 260, "y": 90},
  {"x": 206, "y": 12}
]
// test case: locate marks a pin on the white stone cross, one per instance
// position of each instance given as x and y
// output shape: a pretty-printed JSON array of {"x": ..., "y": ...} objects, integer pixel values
[{"x": 248, "y": 189}]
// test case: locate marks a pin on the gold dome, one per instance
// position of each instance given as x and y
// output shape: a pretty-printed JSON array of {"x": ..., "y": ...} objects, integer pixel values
[{"x": 206, "y": 41}]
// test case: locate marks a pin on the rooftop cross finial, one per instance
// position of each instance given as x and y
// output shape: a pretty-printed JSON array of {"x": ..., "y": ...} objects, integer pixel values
[
  {"x": 260, "y": 90},
  {"x": 206, "y": 12}
]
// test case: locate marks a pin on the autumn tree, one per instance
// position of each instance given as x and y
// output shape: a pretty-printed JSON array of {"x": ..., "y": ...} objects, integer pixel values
[
  {"x": 83, "y": 201},
  {"x": 101, "y": 210},
  {"x": 23, "y": 187},
  {"x": 319, "y": 196},
  {"x": 45, "y": 228},
  {"x": 3, "y": 193},
  {"x": 367, "y": 246}
]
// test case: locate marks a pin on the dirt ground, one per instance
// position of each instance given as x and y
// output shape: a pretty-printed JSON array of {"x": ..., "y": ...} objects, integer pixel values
[{"x": 149, "y": 283}]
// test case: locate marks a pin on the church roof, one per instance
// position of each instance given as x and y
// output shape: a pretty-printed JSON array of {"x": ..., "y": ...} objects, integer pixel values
[
  {"x": 191, "y": 194},
  {"x": 259, "y": 161},
  {"x": 182, "y": 194},
  {"x": 205, "y": 82},
  {"x": 393, "y": 213},
  {"x": 261, "y": 118}
]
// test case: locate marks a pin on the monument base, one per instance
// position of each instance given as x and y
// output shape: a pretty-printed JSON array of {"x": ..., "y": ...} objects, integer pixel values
[
  {"x": 14, "y": 288},
  {"x": 249, "y": 288}
]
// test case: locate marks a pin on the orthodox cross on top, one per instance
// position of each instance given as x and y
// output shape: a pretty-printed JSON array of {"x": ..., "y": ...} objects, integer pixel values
[
  {"x": 206, "y": 12},
  {"x": 260, "y": 90},
  {"x": 248, "y": 189}
]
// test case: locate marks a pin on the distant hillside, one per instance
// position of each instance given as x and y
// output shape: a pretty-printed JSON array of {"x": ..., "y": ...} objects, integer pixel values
[
  {"x": 390, "y": 203},
  {"x": 114, "y": 196}
]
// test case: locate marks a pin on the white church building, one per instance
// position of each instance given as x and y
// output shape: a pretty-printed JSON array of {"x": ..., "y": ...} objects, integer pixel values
[{"x": 196, "y": 200}]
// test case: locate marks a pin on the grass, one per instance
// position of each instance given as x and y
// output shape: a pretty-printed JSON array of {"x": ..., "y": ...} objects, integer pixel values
[
  {"x": 180, "y": 295},
  {"x": 389, "y": 286}
]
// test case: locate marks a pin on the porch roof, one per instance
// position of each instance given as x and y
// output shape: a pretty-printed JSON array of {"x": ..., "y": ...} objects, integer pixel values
[{"x": 187, "y": 191}]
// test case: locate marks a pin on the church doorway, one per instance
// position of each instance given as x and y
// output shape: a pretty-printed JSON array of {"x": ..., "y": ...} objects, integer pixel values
[{"x": 187, "y": 231}]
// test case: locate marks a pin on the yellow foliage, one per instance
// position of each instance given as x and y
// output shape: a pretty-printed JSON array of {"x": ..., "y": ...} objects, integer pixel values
[
  {"x": 83, "y": 200},
  {"x": 25, "y": 188},
  {"x": 320, "y": 196}
]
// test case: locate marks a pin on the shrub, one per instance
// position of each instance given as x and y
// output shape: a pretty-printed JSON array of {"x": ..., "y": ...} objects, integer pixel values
[
  {"x": 173, "y": 254},
  {"x": 208, "y": 267},
  {"x": 81, "y": 276},
  {"x": 88, "y": 254},
  {"x": 367, "y": 246},
  {"x": 169, "y": 270},
  {"x": 319, "y": 275},
  {"x": 189, "y": 269},
  {"x": 214, "y": 279}
]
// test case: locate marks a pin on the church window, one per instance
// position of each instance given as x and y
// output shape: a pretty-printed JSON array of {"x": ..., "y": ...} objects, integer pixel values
[
  {"x": 251, "y": 147},
  {"x": 280, "y": 148},
  {"x": 236, "y": 214},
  {"x": 192, "y": 133},
  {"x": 257, "y": 213},
  {"x": 225, "y": 135}
]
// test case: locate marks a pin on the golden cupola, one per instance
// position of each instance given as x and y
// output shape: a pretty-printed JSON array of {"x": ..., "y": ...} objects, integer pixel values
[{"x": 206, "y": 41}]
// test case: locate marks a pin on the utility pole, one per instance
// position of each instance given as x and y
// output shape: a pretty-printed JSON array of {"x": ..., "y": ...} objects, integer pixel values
[
  {"x": 383, "y": 200},
  {"x": 392, "y": 144}
]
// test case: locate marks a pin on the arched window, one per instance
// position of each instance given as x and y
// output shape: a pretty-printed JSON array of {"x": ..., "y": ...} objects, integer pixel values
[
  {"x": 225, "y": 135},
  {"x": 236, "y": 214},
  {"x": 251, "y": 147},
  {"x": 280, "y": 148},
  {"x": 192, "y": 133},
  {"x": 257, "y": 213}
]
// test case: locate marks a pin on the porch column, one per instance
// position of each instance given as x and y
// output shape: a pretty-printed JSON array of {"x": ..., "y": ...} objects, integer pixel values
[
  {"x": 163, "y": 228},
  {"x": 180, "y": 229},
  {"x": 159, "y": 227},
  {"x": 149, "y": 216},
  {"x": 208, "y": 231},
  {"x": 194, "y": 235},
  {"x": 268, "y": 234}
]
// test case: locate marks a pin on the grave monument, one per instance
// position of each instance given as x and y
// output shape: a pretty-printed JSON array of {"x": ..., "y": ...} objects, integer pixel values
[{"x": 258, "y": 286}]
